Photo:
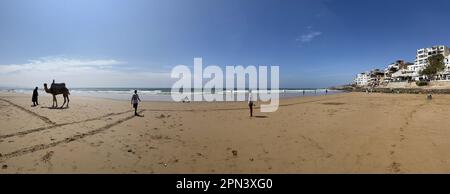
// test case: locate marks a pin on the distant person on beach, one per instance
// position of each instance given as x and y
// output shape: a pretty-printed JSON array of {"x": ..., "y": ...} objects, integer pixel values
[
  {"x": 326, "y": 91},
  {"x": 34, "y": 98},
  {"x": 135, "y": 101},
  {"x": 186, "y": 100},
  {"x": 250, "y": 102},
  {"x": 303, "y": 92}
]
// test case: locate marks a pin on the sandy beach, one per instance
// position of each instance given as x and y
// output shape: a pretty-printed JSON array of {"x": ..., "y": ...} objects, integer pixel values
[{"x": 341, "y": 133}]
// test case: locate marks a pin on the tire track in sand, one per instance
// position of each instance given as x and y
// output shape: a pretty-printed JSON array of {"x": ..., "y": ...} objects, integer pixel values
[
  {"x": 20, "y": 133},
  {"x": 39, "y": 147},
  {"x": 317, "y": 146},
  {"x": 45, "y": 119}
]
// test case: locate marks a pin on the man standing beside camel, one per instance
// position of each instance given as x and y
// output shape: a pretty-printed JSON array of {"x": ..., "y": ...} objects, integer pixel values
[{"x": 34, "y": 98}]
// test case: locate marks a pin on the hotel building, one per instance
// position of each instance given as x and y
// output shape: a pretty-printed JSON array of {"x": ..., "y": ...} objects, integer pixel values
[
  {"x": 422, "y": 56},
  {"x": 362, "y": 79}
]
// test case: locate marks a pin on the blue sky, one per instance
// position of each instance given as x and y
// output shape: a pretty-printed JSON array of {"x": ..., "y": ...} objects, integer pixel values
[{"x": 110, "y": 43}]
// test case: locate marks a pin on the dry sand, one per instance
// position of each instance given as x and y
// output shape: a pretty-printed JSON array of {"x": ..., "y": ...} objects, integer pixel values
[{"x": 343, "y": 133}]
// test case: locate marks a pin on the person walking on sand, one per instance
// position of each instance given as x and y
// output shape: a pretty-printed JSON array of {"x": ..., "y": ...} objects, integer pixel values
[
  {"x": 250, "y": 102},
  {"x": 34, "y": 98},
  {"x": 135, "y": 101}
]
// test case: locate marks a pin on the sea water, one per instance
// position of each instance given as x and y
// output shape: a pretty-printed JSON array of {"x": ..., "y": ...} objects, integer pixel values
[{"x": 164, "y": 94}]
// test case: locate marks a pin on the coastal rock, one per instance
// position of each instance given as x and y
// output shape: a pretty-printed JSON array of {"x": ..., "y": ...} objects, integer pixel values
[{"x": 405, "y": 90}]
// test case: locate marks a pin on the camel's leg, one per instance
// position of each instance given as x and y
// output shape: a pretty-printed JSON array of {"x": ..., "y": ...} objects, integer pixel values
[
  {"x": 64, "y": 101},
  {"x": 56, "y": 101},
  {"x": 67, "y": 101}
]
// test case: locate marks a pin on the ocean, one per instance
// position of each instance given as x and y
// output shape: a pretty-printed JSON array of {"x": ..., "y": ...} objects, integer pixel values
[{"x": 164, "y": 94}]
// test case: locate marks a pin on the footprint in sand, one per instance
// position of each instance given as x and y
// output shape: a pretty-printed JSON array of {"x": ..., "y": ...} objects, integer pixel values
[
  {"x": 161, "y": 116},
  {"x": 200, "y": 154},
  {"x": 46, "y": 158},
  {"x": 395, "y": 167}
]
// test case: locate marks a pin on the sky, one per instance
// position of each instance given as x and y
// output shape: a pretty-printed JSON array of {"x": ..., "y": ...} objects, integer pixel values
[{"x": 136, "y": 43}]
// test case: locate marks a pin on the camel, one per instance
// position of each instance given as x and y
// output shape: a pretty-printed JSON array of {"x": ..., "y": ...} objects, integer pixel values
[{"x": 57, "y": 89}]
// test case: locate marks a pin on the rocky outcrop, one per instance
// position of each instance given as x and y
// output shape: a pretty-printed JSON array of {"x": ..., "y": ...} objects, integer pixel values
[{"x": 404, "y": 90}]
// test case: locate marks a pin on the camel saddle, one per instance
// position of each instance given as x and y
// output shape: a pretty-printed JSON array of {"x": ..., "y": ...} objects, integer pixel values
[{"x": 58, "y": 86}]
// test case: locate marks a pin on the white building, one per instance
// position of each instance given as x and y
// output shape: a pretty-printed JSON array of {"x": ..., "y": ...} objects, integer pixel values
[
  {"x": 398, "y": 71},
  {"x": 422, "y": 56},
  {"x": 362, "y": 79},
  {"x": 401, "y": 71},
  {"x": 446, "y": 73}
]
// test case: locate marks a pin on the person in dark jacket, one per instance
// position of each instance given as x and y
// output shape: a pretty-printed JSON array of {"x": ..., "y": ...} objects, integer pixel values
[
  {"x": 34, "y": 99},
  {"x": 250, "y": 102},
  {"x": 135, "y": 101}
]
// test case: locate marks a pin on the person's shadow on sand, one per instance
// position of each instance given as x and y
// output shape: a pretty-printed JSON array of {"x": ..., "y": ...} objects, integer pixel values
[
  {"x": 261, "y": 117},
  {"x": 59, "y": 108},
  {"x": 139, "y": 115}
]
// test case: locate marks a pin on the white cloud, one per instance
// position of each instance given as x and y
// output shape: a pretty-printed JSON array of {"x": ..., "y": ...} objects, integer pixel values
[
  {"x": 80, "y": 73},
  {"x": 310, "y": 36},
  {"x": 57, "y": 64}
]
